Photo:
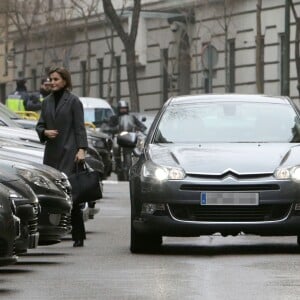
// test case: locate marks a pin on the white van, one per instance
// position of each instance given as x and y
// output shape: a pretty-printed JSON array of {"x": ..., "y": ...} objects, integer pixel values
[{"x": 96, "y": 110}]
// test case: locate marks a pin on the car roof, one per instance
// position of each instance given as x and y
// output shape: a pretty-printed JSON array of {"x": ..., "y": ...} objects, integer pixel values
[
  {"x": 228, "y": 98},
  {"x": 90, "y": 102}
]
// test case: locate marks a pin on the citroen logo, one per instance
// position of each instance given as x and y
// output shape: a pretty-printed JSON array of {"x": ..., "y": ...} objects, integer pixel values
[{"x": 230, "y": 172}]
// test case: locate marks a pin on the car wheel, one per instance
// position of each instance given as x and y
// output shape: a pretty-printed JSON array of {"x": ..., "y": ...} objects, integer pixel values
[
  {"x": 141, "y": 243},
  {"x": 298, "y": 240}
]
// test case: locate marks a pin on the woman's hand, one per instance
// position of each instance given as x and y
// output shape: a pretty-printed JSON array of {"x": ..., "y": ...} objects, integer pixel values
[
  {"x": 51, "y": 133},
  {"x": 80, "y": 155}
]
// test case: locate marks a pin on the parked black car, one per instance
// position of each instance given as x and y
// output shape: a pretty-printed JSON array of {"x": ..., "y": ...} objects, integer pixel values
[
  {"x": 53, "y": 191},
  {"x": 9, "y": 227},
  {"x": 27, "y": 210},
  {"x": 102, "y": 142}
]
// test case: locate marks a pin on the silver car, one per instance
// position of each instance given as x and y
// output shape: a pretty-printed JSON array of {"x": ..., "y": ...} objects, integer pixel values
[{"x": 210, "y": 164}]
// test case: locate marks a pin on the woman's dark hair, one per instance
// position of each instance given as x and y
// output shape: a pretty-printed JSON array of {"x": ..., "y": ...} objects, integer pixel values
[{"x": 65, "y": 75}]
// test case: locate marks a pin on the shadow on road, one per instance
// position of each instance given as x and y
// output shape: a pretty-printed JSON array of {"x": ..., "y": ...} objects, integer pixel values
[
  {"x": 7, "y": 292},
  {"x": 37, "y": 263},
  {"x": 14, "y": 271},
  {"x": 41, "y": 254},
  {"x": 261, "y": 249}
]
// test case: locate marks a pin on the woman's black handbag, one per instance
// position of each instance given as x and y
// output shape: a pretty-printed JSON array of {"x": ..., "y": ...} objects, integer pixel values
[{"x": 85, "y": 184}]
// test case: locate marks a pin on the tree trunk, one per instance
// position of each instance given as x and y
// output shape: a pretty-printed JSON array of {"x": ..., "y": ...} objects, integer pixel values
[
  {"x": 259, "y": 50},
  {"x": 297, "y": 41},
  {"x": 184, "y": 65},
  {"x": 88, "y": 63},
  {"x": 24, "y": 60},
  {"x": 128, "y": 40},
  {"x": 297, "y": 54},
  {"x": 132, "y": 80}
]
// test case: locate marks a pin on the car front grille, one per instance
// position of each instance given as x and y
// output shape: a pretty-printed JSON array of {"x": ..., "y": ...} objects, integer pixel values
[
  {"x": 230, "y": 187},
  {"x": 33, "y": 226},
  {"x": 33, "y": 223},
  {"x": 65, "y": 221},
  {"x": 260, "y": 213}
]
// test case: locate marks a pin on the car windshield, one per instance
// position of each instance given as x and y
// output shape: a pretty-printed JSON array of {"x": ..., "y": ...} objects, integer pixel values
[
  {"x": 97, "y": 115},
  {"x": 228, "y": 122}
]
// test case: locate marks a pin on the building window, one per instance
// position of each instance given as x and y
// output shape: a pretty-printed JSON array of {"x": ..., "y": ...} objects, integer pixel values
[
  {"x": 83, "y": 77},
  {"x": 100, "y": 77},
  {"x": 231, "y": 73},
  {"x": 118, "y": 77},
  {"x": 164, "y": 75}
]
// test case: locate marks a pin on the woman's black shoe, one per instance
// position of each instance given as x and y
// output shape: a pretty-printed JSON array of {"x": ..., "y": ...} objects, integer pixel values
[{"x": 78, "y": 243}]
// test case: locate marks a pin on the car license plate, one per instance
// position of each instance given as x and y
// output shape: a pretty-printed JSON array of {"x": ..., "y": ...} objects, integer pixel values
[{"x": 229, "y": 198}]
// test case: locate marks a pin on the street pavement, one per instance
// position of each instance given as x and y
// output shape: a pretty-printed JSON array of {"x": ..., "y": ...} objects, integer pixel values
[{"x": 208, "y": 267}]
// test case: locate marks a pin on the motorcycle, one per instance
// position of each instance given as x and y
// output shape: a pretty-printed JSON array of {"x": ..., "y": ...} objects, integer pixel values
[{"x": 123, "y": 157}]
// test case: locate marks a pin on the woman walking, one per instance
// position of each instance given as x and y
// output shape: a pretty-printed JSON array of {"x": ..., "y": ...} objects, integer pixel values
[{"x": 61, "y": 128}]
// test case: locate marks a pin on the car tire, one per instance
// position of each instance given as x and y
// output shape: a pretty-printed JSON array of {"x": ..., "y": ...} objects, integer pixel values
[
  {"x": 141, "y": 243},
  {"x": 298, "y": 240}
]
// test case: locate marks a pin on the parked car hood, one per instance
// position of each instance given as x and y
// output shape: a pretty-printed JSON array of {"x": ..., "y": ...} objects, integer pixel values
[
  {"x": 19, "y": 133},
  {"x": 22, "y": 153},
  {"x": 217, "y": 159}
]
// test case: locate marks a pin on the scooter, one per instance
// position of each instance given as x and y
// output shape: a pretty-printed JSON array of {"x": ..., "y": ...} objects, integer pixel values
[{"x": 123, "y": 160}]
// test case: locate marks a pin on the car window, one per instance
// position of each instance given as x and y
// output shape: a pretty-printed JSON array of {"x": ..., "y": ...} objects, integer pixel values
[
  {"x": 228, "y": 122},
  {"x": 97, "y": 115},
  {"x": 102, "y": 114}
]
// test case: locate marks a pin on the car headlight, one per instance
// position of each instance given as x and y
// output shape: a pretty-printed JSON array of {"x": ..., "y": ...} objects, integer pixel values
[
  {"x": 161, "y": 173},
  {"x": 37, "y": 179},
  {"x": 14, "y": 197},
  {"x": 63, "y": 175},
  {"x": 140, "y": 143},
  {"x": 288, "y": 173}
]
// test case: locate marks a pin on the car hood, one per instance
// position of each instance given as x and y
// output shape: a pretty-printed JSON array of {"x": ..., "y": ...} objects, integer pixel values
[
  {"x": 27, "y": 164},
  {"x": 217, "y": 159}
]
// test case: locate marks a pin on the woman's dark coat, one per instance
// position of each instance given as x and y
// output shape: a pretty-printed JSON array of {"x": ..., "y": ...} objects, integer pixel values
[{"x": 68, "y": 119}]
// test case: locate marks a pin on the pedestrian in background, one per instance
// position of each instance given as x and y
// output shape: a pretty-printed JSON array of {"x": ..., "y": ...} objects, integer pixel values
[
  {"x": 61, "y": 128},
  {"x": 34, "y": 102},
  {"x": 45, "y": 88},
  {"x": 18, "y": 100}
]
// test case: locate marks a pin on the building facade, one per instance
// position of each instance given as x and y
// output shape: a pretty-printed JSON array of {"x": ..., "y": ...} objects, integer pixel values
[{"x": 182, "y": 47}]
